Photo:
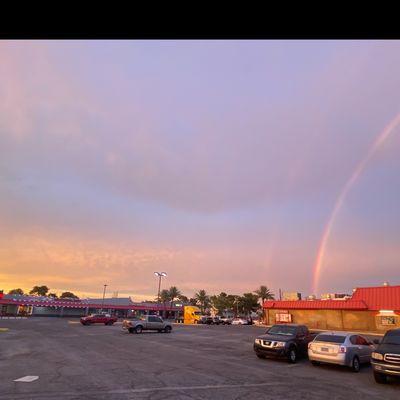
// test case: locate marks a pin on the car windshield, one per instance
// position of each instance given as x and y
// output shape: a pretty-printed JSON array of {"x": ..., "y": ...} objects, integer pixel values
[
  {"x": 282, "y": 330},
  {"x": 392, "y": 338},
  {"x": 330, "y": 338}
]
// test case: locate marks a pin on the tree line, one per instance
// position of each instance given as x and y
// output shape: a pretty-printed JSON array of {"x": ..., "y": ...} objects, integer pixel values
[
  {"x": 44, "y": 291},
  {"x": 223, "y": 302}
]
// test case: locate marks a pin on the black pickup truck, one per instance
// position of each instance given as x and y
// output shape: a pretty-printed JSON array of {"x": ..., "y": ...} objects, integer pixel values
[
  {"x": 288, "y": 341},
  {"x": 385, "y": 359}
]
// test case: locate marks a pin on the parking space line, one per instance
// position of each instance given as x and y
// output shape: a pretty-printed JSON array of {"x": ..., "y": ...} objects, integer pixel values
[
  {"x": 28, "y": 378},
  {"x": 45, "y": 395}
]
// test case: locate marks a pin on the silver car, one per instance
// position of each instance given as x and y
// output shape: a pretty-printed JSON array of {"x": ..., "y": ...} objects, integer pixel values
[{"x": 340, "y": 348}]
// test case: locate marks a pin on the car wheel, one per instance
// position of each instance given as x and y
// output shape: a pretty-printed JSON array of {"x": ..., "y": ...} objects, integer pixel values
[
  {"x": 131, "y": 330},
  {"x": 355, "y": 365},
  {"x": 315, "y": 363},
  {"x": 167, "y": 329},
  {"x": 380, "y": 378},
  {"x": 260, "y": 356},
  {"x": 292, "y": 356},
  {"x": 138, "y": 329}
]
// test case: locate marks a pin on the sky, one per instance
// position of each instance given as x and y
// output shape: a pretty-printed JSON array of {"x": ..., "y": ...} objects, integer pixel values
[{"x": 219, "y": 162}]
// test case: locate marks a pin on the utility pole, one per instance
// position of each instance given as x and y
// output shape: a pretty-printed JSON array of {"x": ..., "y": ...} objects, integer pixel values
[{"x": 104, "y": 294}]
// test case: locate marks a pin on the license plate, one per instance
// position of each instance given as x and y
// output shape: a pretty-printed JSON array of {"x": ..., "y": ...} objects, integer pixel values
[{"x": 326, "y": 349}]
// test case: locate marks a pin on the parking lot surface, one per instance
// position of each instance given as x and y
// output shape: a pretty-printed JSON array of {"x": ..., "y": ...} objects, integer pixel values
[{"x": 73, "y": 361}]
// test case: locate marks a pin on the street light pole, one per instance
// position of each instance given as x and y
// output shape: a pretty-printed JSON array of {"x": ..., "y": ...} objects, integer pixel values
[
  {"x": 104, "y": 293},
  {"x": 160, "y": 275}
]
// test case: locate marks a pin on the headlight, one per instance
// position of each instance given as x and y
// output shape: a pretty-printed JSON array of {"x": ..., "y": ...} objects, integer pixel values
[
  {"x": 280, "y": 344},
  {"x": 258, "y": 341},
  {"x": 377, "y": 356}
]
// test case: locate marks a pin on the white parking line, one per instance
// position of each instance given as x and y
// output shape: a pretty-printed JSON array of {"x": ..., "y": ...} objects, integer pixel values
[{"x": 28, "y": 378}]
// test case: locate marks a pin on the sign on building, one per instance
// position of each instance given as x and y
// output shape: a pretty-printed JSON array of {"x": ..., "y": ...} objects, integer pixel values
[{"x": 283, "y": 317}]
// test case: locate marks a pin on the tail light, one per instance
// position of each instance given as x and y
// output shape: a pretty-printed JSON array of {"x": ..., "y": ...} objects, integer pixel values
[{"x": 342, "y": 349}]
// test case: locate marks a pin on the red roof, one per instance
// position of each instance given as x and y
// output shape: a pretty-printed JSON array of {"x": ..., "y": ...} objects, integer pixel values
[
  {"x": 316, "y": 305},
  {"x": 379, "y": 298},
  {"x": 368, "y": 298}
]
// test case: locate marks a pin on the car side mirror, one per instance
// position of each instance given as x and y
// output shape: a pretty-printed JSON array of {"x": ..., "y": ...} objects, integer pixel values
[{"x": 376, "y": 341}]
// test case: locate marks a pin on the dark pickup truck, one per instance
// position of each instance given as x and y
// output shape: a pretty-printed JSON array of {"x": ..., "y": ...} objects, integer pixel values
[
  {"x": 288, "y": 341},
  {"x": 385, "y": 359}
]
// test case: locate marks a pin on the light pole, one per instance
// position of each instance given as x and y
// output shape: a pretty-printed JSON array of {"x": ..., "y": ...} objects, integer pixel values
[
  {"x": 104, "y": 293},
  {"x": 160, "y": 275}
]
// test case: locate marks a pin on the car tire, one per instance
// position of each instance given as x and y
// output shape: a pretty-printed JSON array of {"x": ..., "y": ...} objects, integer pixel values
[
  {"x": 380, "y": 378},
  {"x": 131, "y": 330},
  {"x": 355, "y": 364},
  {"x": 138, "y": 329},
  {"x": 167, "y": 329},
  {"x": 292, "y": 355}
]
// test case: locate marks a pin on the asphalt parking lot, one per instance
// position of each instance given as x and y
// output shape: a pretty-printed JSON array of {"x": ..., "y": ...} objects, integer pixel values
[{"x": 193, "y": 362}]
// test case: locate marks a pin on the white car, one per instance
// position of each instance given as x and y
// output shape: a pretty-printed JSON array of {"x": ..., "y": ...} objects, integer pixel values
[
  {"x": 342, "y": 348},
  {"x": 240, "y": 321}
]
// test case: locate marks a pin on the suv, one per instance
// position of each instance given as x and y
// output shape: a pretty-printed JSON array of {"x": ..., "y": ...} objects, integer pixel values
[
  {"x": 385, "y": 359},
  {"x": 287, "y": 341}
]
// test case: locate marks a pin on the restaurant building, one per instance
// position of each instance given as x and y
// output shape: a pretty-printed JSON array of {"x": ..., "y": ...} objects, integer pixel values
[
  {"x": 373, "y": 309},
  {"x": 23, "y": 305}
]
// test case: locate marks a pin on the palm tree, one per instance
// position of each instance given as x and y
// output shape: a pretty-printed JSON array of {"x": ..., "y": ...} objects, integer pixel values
[
  {"x": 174, "y": 293},
  {"x": 203, "y": 299},
  {"x": 164, "y": 295},
  {"x": 264, "y": 293}
]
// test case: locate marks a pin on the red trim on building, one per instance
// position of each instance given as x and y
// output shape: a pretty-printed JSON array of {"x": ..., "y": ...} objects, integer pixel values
[
  {"x": 80, "y": 304},
  {"x": 316, "y": 305}
]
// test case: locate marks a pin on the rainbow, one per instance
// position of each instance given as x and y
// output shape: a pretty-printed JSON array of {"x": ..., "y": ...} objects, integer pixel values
[{"x": 381, "y": 138}]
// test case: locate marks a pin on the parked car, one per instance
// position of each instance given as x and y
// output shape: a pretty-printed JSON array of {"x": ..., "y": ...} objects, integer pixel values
[
  {"x": 217, "y": 320},
  {"x": 341, "y": 348},
  {"x": 386, "y": 357},
  {"x": 240, "y": 321},
  {"x": 226, "y": 320},
  {"x": 287, "y": 341},
  {"x": 105, "y": 319},
  {"x": 206, "y": 320},
  {"x": 149, "y": 322}
]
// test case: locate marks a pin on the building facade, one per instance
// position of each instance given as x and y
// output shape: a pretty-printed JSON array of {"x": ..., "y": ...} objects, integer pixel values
[
  {"x": 16, "y": 305},
  {"x": 372, "y": 309}
]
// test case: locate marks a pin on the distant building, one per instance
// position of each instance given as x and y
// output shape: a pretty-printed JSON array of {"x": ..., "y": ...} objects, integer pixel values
[
  {"x": 335, "y": 296},
  {"x": 291, "y": 296},
  {"x": 311, "y": 297}
]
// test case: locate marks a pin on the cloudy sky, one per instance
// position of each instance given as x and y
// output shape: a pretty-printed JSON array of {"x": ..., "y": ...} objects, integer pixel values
[{"x": 219, "y": 162}]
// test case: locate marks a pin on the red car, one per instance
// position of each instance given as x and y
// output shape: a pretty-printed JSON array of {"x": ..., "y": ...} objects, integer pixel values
[{"x": 105, "y": 319}]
